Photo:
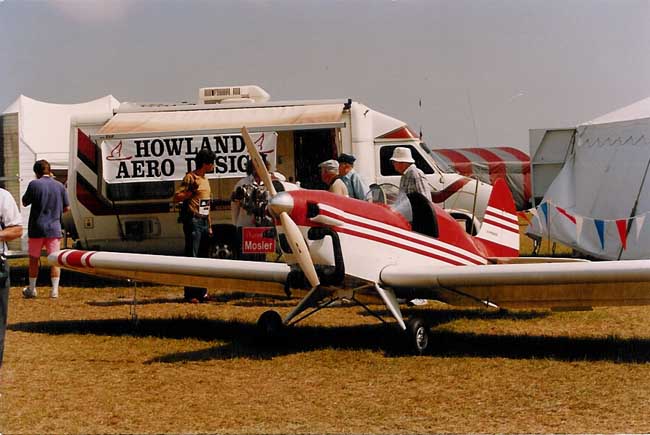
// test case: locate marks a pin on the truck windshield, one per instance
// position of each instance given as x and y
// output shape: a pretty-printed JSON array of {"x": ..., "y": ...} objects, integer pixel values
[{"x": 442, "y": 165}]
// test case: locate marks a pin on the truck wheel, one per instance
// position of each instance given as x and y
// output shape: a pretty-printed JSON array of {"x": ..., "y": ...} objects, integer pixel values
[{"x": 418, "y": 335}]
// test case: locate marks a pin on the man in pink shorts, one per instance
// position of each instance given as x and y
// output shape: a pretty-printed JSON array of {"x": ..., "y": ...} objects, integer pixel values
[{"x": 48, "y": 200}]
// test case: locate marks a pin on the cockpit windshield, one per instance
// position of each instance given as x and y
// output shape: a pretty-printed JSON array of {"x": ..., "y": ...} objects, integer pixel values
[
  {"x": 415, "y": 208},
  {"x": 390, "y": 195}
]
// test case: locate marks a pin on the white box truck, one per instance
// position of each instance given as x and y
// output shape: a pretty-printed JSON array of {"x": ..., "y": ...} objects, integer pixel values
[{"x": 124, "y": 169}]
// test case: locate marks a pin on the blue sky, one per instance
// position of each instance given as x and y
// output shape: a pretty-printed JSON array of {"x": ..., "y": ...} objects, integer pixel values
[{"x": 485, "y": 71}]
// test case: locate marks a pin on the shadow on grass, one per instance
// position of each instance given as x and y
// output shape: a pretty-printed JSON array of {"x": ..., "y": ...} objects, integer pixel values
[
  {"x": 241, "y": 339},
  {"x": 69, "y": 278},
  {"x": 237, "y": 299}
]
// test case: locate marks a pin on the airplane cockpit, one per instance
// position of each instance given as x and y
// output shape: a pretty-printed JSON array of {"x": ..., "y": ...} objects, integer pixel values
[{"x": 415, "y": 208}]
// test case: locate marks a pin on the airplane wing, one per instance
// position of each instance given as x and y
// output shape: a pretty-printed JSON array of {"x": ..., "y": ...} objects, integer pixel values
[
  {"x": 574, "y": 284},
  {"x": 227, "y": 275}
]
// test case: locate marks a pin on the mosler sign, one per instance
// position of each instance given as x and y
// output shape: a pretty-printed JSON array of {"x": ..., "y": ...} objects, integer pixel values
[{"x": 170, "y": 158}]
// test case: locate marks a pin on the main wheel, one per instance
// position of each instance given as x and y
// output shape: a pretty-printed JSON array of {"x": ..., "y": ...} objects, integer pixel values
[
  {"x": 418, "y": 335},
  {"x": 269, "y": 325}
]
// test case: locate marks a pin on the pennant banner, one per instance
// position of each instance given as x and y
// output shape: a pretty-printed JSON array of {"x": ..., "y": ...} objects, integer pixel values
[
  {"x": 621, "y": 225},
  {"x": 600, "y": 227}
]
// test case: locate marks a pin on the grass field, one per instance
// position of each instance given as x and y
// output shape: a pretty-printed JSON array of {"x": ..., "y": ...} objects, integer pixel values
[{"x": 85, "y": 364}]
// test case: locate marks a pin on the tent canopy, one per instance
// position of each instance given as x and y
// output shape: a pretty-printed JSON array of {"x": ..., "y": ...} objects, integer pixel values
[
  {"x": 45, "y": 127},
  {"x": 599, "y": 200}
]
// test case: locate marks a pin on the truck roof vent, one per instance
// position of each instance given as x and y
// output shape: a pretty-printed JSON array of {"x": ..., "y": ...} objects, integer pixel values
[{"x": 233, "y": 94}]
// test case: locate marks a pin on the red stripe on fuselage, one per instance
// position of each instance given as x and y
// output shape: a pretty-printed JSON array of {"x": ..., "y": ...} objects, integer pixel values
[
  {"x": 395, "y": 234},
  {"x": 400, "y": 246},
  {"x": 375, "y": 212}
]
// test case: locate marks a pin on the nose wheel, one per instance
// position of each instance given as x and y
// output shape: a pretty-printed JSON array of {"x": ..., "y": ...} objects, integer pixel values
[{"x": 418, "y": 335}]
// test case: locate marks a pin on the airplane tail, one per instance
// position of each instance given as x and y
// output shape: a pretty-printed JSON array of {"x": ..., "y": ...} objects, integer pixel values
[{"x": 499, "y": 232}]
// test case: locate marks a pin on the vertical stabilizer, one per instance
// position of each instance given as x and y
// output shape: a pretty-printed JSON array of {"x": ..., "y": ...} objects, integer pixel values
[{"x": 499, "y": 232}]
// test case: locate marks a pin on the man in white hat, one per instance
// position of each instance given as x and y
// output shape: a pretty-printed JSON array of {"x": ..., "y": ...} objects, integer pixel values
[
  {"x": 413, "y": 179},
  {"x": 329, "y": 173}
]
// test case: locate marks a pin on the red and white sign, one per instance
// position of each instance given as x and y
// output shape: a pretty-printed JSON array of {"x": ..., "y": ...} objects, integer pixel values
[
  {"x": 170, "y": 158},
  {"x": 254, "y": 242}
]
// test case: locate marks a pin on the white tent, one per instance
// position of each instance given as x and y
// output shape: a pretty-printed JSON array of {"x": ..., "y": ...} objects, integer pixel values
[
  {"x": 34, "y": 130},
  {"x": 599, "y": 201},
  {"x": 44, "y": 128}
]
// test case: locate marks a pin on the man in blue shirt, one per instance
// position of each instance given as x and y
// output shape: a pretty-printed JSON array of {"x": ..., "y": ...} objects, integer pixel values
[
  {"x": 357, "y": 188},
  {"x": 48, "y": 200}
]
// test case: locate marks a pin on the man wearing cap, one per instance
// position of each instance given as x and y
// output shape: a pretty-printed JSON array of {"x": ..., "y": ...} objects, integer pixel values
[
  {"x": 356, "y": 187},
  {"x": 329, "y": 173},
  {"x": 413, "y": 179}
]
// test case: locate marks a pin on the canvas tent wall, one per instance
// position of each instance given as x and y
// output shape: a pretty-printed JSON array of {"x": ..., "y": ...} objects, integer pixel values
[
  {"x": 599, "y": 201},
  {"x": 489, "y": 164},
  {"x": 31, "y": 130}
]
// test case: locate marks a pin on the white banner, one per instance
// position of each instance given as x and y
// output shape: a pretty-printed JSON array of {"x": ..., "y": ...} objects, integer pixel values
[{"x": 170, "y": 158}]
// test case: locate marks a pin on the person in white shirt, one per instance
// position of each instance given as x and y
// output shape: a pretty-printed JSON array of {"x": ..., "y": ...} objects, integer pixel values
[
  {"x": 329, "y": 173},
  {"x": 413, "y": 179},
  {"x": 11, "y": 228}
]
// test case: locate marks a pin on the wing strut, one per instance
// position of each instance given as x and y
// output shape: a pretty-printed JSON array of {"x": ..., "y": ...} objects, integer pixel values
[{"x": 388, "y": 296}]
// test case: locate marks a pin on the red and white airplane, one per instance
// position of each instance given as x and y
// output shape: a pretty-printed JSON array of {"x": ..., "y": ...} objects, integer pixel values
[{"x": 338, "y": 248}]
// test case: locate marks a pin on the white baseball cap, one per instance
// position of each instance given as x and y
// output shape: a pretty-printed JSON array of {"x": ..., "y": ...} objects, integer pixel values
[
  {"x": 402, "y": 154},
  {"x": 329, "y": 165}
]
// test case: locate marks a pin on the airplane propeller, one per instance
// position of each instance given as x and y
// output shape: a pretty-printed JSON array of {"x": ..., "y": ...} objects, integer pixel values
[{"x": 292, "y": 232}]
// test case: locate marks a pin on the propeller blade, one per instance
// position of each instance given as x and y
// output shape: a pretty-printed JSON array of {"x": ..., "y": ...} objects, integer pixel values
[
  {"x": 256, "y": 158},
  {"x": 299, "y": 248}
]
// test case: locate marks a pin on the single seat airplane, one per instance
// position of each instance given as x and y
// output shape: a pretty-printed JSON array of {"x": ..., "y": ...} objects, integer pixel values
[{"x": 338, "y": 248}]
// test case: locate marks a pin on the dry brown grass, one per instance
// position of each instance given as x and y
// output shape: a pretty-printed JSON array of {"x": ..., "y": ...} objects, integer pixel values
[{"x": 80, "y": 365}]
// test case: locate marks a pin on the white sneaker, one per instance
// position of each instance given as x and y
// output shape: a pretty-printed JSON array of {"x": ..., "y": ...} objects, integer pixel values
[
  {"x": 28, "y": 293},
  {"x": 54, "y": 293}
]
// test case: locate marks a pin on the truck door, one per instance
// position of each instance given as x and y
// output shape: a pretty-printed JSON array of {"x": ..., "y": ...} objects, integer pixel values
[{"x": 312, "y": 147}]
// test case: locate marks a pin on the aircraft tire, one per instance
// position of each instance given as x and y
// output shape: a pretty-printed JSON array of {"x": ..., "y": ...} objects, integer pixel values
[
  {"x": 418, "y": 335},
  {"x": 269, "y": 325}
]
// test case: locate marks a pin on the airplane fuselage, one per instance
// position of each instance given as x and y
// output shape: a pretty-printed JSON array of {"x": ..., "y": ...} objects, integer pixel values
[{"x": 373, "y": 235}]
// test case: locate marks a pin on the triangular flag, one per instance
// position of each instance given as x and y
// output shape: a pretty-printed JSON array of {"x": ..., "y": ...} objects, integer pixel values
[
  {"x": 638, "y": 221},
  {"x": 579, "y": 221},
  {"x": 621, "y": 224},
  {"x": 566, "y": 213},
  {"x": 544, "y": 208},
  {"x": 600, "y": 227}
]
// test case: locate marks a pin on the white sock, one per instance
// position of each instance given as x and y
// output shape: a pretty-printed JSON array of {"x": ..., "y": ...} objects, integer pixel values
[
  {"x": 32, "y": 283},
  {"x": 55, "y": 284}
]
